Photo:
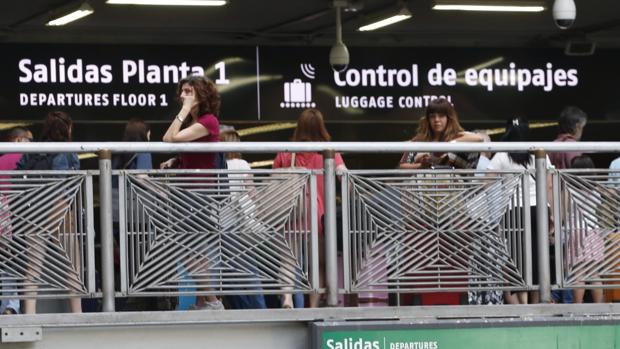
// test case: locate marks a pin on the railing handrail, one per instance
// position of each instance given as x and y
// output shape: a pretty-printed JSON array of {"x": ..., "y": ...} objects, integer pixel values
[{"x": 274, "y": 147}]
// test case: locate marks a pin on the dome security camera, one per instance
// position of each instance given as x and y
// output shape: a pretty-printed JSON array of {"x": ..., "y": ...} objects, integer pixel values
[
  {"x": 339, "y": 57},
  {"x": 564, "y": 13}
]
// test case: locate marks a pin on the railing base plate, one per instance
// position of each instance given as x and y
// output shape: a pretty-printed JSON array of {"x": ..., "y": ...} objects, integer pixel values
[{"x": 21, "y": 334}]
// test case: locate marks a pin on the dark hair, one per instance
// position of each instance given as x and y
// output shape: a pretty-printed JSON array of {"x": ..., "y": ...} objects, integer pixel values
[
  {"x": 582, "y": 161},
  {"x": 57, "y": 127},
  {"x": 207, "y": 96},
  {"x": 517, "y": 130},
  {"x": 16, "y": 132},
  {"x": 569, "y": 119},
  {"x": 311, "y": 127},
  {"x": 136, "y": 130},
  {"x": 231, "y": 136},
  {"x": 439, "y": 106}
]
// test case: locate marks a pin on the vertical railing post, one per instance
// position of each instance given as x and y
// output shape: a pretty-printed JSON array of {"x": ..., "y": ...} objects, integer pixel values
[
  {"x": 107, "y": 241},
  {"x": 542, "y": 226},
  {"x": 331, "y": 252}
]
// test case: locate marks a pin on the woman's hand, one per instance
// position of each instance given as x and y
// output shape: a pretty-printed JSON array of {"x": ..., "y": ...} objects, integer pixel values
[
  {"x": 170, "y": 163},
  {"x": 424, "y": 159},
  {"x": 189, "y": 101},
  {"x": 454, "y": 160}
]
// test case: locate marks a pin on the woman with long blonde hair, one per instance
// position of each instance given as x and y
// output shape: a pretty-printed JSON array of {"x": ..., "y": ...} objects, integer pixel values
[{"x": 439, "y": 124}]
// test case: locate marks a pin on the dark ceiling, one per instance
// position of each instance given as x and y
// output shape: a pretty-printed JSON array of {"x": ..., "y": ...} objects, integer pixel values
[{"x": 307, "y": 22}]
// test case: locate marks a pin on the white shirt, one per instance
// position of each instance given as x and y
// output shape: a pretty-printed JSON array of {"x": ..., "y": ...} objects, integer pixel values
[
  {"x": 236, "y": 179},
  {"x": 501, "y": 161},
  {"x": 237, "y": 164},
  {"x": 239, "y": 191},
  {"x": 483, "y": 163}
]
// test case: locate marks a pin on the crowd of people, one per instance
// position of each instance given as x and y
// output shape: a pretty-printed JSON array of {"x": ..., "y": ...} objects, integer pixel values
[{"x": 197, "y": 121}]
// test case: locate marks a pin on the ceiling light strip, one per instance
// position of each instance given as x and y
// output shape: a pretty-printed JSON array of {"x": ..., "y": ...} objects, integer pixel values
[
  {"x": 83, "y": 11},
  {"x": 384, "y": 22},
  {"x": 488, "y": 8},
  {"x": 169, "y": 2}
]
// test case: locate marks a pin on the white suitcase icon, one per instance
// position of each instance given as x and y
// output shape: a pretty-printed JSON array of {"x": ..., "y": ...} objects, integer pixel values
[{"x": 297, "y": 91}]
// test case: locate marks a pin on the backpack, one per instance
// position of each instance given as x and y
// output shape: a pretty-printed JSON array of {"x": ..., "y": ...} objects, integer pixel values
[
  {"x": 36, "y": 162},
  {"x": 219, "y": 163}
]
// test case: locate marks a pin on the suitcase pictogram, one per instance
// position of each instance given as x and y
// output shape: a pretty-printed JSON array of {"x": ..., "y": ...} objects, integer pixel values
[
  {"x": 297, "y": 94},
  {"x": 297, "y": 91}
]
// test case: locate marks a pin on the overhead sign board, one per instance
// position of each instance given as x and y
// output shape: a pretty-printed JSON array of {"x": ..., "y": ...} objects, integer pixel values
[{"x": 115, "y": 82}]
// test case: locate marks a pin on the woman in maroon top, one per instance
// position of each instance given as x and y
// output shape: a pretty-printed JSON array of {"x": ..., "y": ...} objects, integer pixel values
[{"x": 196, "y": 122}]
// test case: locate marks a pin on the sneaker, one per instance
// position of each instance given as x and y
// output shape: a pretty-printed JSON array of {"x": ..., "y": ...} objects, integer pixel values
[{"x": 217, "y": 305}]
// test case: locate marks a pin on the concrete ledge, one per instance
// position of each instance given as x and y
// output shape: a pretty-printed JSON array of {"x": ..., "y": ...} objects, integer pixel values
[{"x": 417, "y": 314}]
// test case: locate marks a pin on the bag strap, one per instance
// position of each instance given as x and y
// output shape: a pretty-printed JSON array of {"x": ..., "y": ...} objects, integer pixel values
[{"x": 131, "y": 159}]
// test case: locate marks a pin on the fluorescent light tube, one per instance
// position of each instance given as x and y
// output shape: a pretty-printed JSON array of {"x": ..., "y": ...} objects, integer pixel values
[
  {"x": 169, "y": 2},
  {"x": 489, "y": 6},
  {"x": 401, "y": 16},
  {"x": 81, "y": 12}
]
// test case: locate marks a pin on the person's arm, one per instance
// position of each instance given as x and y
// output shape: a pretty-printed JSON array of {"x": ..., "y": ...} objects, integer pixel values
[
  {"x": 413, "y": 161},
  {"x": 463, "y": 160},
  {"x": 170, "y": 163},
  {"x": 177, "y": 122},
  {"x": 189, "y": 134},
  {"x": 407, "y": 160},
  {"x": 174, "y": 132},
  {"x": 411, "y": 165},
  {"x": 468, "y": 137},
  {"x": 420, "y": 161}
]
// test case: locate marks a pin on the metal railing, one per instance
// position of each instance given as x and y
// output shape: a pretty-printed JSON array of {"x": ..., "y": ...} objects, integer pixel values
[
  {"x": 218, "y": 232},
  {"x": 437, "y": 230},
  {"x": 46, "y": 234},
  {"x": 587, "y": 218},
  {"x": 505, "y": 241}
]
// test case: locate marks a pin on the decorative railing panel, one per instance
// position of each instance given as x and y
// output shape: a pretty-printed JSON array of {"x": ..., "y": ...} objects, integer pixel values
[
  {"x": 435, "y": 230},
  {"x": 46, "y": 235},
  {"x": 218, "y": 232},
  {"x": 587, "y": 217}
]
